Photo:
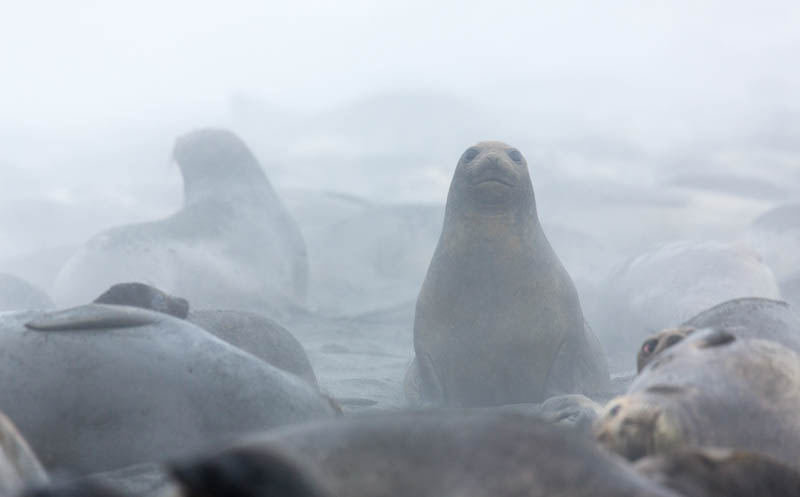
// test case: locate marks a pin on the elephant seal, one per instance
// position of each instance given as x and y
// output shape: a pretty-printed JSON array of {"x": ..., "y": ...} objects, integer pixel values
[
  {"x": 721, "y": 472},
  {"x": 100, "y": 387},
  {"x": 671, "y": 282},
  {"x": 498, "y": 320},
  {"x": 232, "y": 245},
  {"x": 746, "y": 318},
  {"x": 424, "y": 454},
  {"x": 251, "y": 332},
  {"x": 712, "y": 389},
  {"x": 17, "y": 294}
]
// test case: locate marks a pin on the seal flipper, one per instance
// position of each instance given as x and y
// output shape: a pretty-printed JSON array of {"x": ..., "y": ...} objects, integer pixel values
[
  {"x": 422, "y": 384},
  {"x": 93, "y": 317}
]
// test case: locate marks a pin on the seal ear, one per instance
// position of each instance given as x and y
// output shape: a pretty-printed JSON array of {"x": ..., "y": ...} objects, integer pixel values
[
  {"x": 248, "y": 472},
  {"x": 93, "y": 317}
]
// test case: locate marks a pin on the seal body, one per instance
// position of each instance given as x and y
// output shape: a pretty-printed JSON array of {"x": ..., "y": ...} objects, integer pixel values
[
  {"x": 19, "y": 466},
  {"x": 671, "y": 282},
  {"x": 233, "y": 245},
  {"x": 712, "y": 389},
  {"x": 249, "y": 331},
  {"x": 424, "y": 454},
  {"x": 258, "y": 335},
  {"x": 701, "y": 472},
  {"x": 498, "y": 319},
  {"x": 100, "y": 387}
]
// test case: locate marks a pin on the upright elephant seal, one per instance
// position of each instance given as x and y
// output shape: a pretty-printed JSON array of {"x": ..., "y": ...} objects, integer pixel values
[
  {"x": 233, "y": 245},
  {"x": 422, "y": 454},
  {"x": 498, "y": 320},
  {"x": 712, "y": 389},
  {"x": 249, "y": 331},
  {"x": 100, "y": 387}
]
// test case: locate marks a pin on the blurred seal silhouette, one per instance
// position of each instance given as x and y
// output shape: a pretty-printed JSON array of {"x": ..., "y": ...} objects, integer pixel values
[
  {"x": 498, "y": 319},
  {"x": 233, "y": 245}
]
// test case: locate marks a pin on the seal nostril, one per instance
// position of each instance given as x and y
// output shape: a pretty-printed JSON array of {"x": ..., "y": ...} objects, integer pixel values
[
  {"x": 614, "y": 411},
  {"x": 649, "y": 346}
]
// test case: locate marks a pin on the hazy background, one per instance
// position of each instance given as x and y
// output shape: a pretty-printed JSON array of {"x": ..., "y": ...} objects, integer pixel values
[{"x": 681, "y": 117}]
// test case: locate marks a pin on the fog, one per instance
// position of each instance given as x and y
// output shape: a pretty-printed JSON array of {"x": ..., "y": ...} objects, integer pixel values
[
  {"x": 339, "y": 195},
  {"x": 641, "y": 122}
]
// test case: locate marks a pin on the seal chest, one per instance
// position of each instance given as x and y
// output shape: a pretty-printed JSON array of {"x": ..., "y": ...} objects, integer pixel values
[{"x": 498, "y": 320}]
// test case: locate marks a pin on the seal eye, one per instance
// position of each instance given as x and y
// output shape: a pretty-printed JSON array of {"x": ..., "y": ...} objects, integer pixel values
[
  {"x": 515, "y": 156},
  {"x": 649, "y": 346},
  {"x": 470, "y": 154}
]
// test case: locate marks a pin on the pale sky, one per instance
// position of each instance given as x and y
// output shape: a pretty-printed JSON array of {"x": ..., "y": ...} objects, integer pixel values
[
  {"x": 77, "y": 62},
  {"x": 92, "y": 93}
]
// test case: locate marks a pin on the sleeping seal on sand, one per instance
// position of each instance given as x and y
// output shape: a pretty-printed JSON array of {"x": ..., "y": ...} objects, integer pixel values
[
  {"x": 712, "y": 389},
  {"x": 99, "y": 387}
]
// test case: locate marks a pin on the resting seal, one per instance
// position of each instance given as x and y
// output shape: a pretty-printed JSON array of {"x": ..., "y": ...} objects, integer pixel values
[
  {"x": 746, "y": 318},
  {"x": 498, "y": 320},
  {"x": 711, "y": 389},
  {"x": 251, "y": 332},
  {"x": 671, "y": 282},
  {"x": 101, "y": 386},
  {"x": 421, "y": 454},
  {"x": 233, "y": 245}
]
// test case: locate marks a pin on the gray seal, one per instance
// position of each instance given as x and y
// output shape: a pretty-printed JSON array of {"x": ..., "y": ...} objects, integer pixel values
[
  {"x": 746, "y": 318},
  {"x": 233, "y": 244},
  {"x": 711, "y": 390},
  {"x": 99, "y": 387},
  {"x": 249, "y": 331},
  {"x": 498, "y": 319},
  {"x": 424, "y": 454}
]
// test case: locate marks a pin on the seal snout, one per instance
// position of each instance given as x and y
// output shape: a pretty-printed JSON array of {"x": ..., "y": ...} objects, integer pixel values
[{"x": 494, "y": 168}]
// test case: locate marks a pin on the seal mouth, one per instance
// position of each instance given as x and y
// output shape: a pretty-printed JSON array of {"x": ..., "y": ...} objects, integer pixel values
[{"x": 492, "y": 180}]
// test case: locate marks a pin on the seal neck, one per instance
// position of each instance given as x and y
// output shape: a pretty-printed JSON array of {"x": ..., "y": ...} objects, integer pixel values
[
  {"x": 234, "y": 177},
  {"x": 468, "y": 216}
]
